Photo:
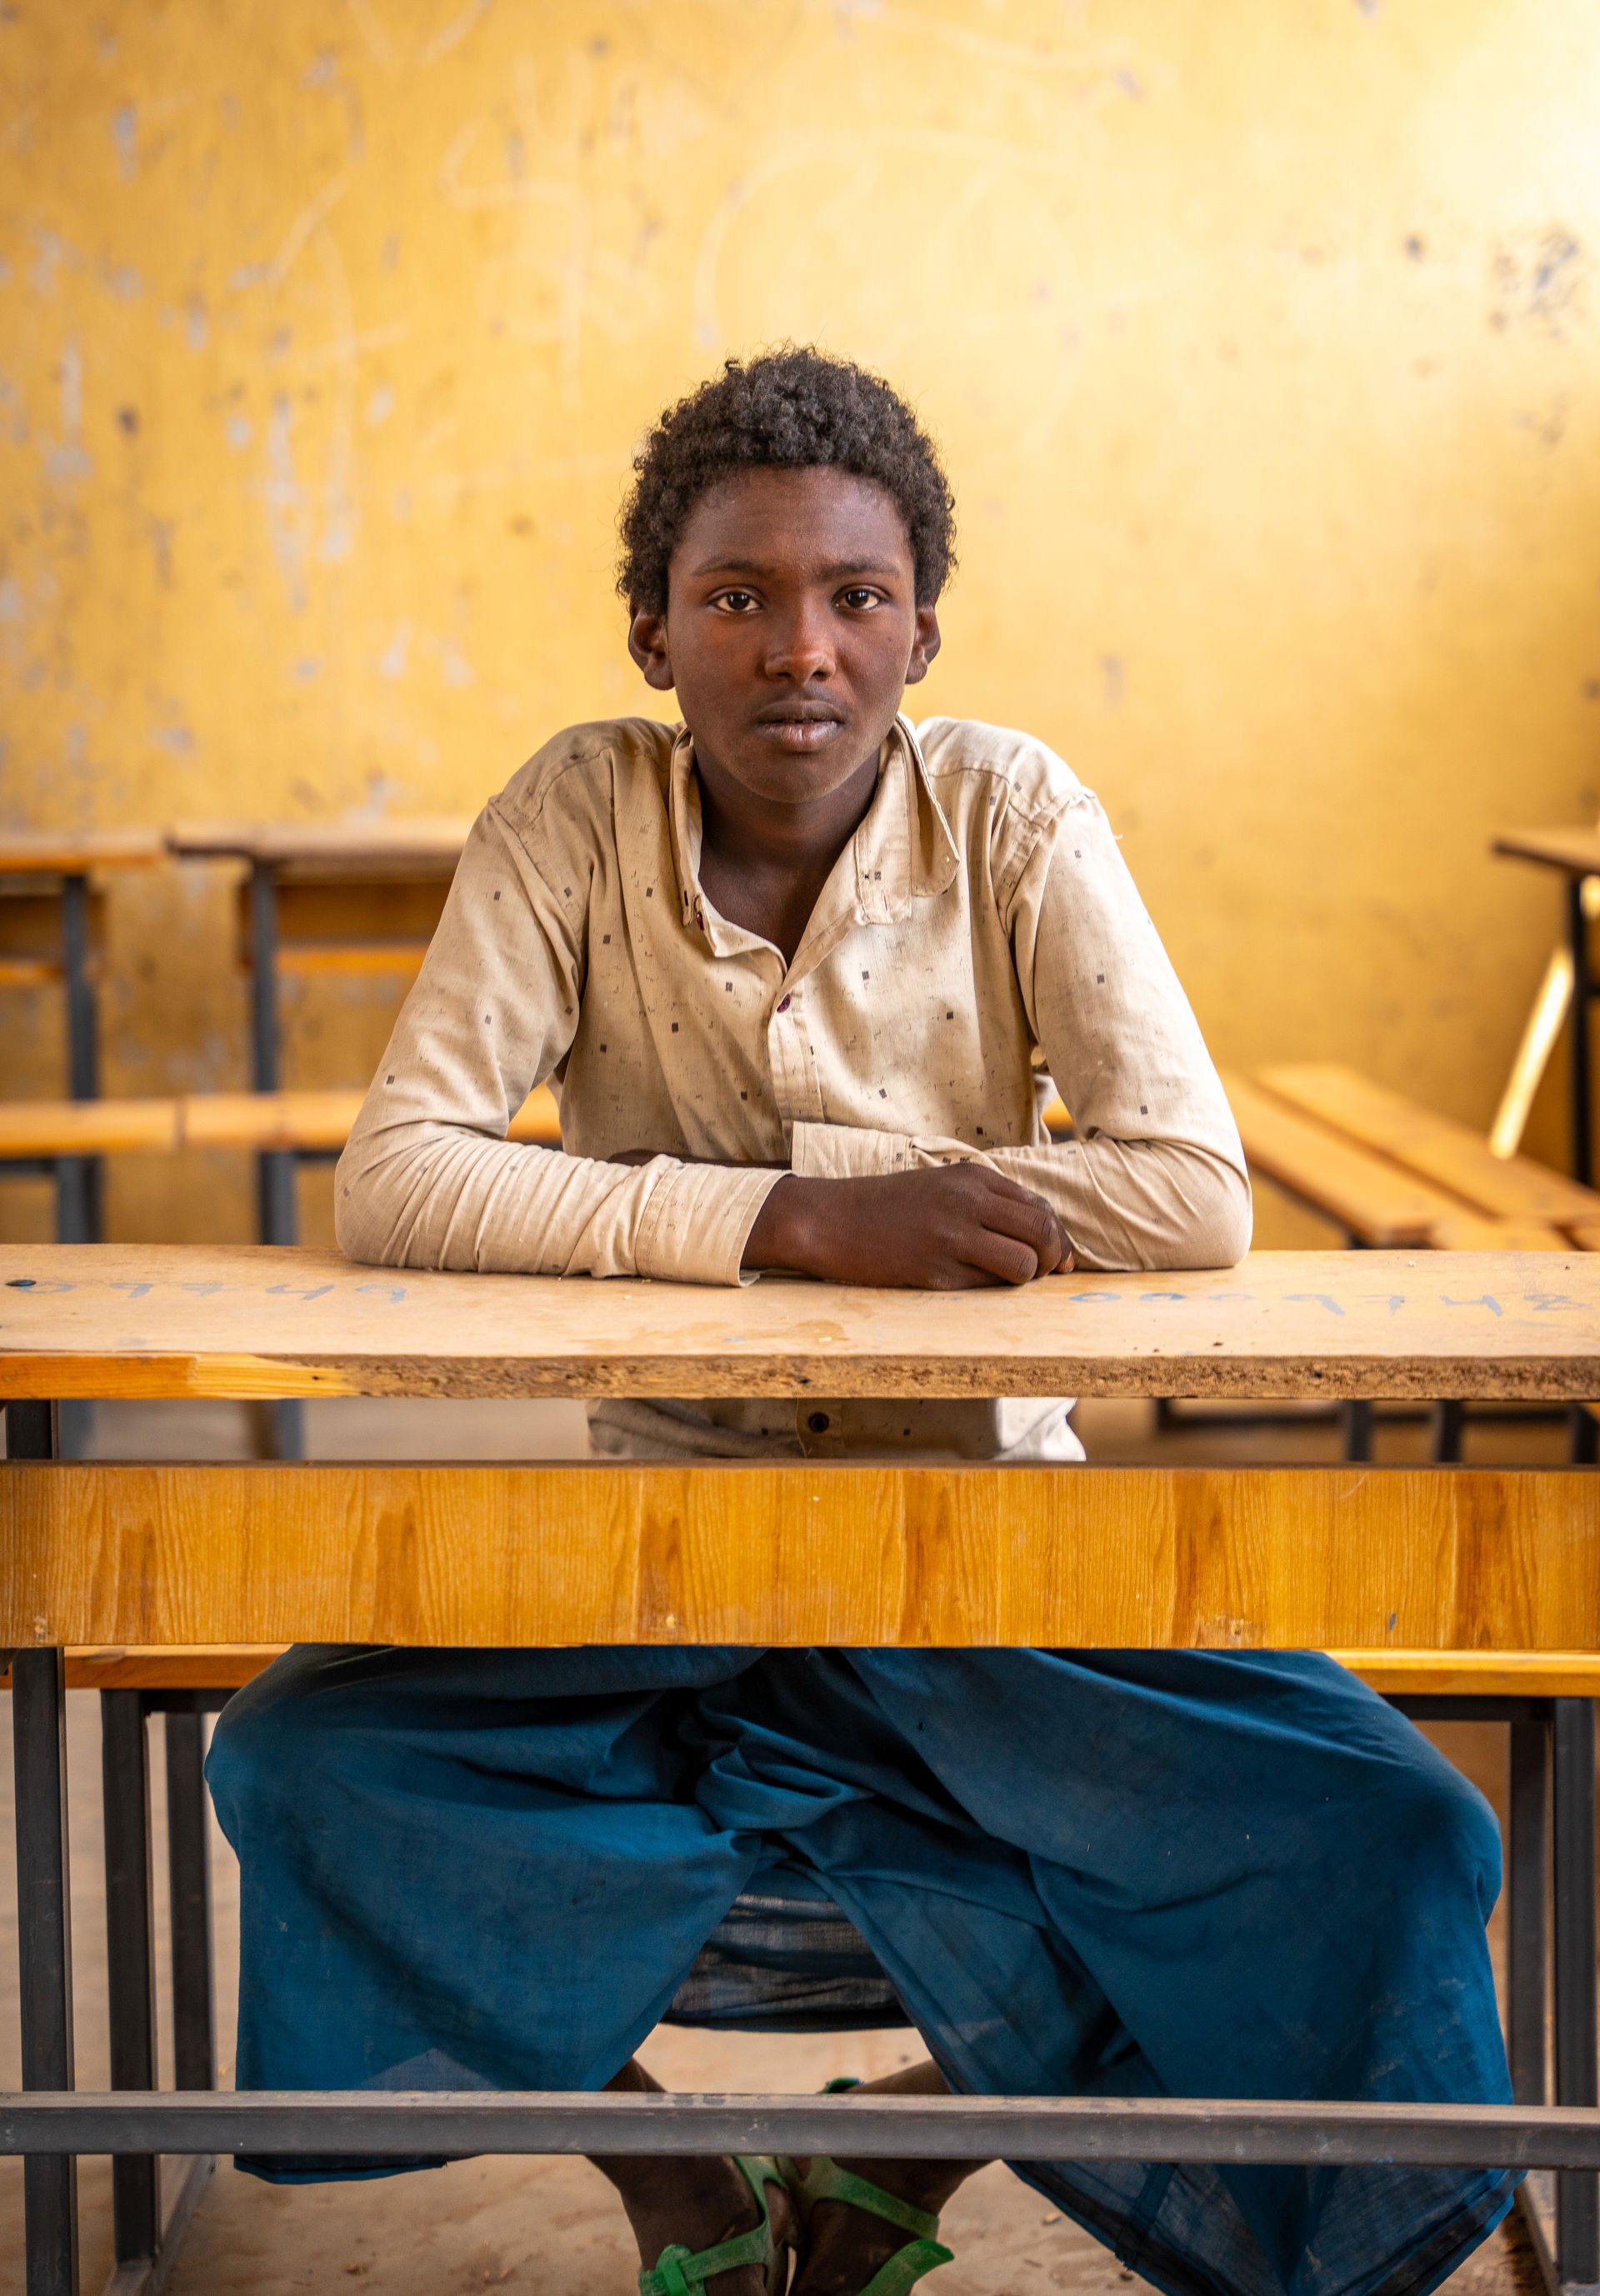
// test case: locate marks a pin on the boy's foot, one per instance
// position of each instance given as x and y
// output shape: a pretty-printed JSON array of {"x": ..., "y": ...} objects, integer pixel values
[
  {"x": 697, "y": 2204},
  {"x": 843, "y": 2246},
  {"x": 674, "y": 2201}
]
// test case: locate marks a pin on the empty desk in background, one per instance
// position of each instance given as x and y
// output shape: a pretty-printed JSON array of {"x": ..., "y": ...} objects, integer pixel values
[
  {"x": 320, "y": 899},
  {"x": 52, "y": 933}
]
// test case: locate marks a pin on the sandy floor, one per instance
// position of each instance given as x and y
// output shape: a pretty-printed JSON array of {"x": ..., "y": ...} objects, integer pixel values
[{"x": 551, "y": 2227}]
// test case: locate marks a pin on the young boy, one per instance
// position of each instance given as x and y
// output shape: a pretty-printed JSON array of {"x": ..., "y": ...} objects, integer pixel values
[{"x": 801, "y": 977}]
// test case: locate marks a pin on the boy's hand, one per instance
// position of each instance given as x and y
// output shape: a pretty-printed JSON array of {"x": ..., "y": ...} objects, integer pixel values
[{"x": 949, "y": 1228}]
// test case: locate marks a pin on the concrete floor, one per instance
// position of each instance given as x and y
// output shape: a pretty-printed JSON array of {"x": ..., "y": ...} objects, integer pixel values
[{"x": 552, "y": 2228}]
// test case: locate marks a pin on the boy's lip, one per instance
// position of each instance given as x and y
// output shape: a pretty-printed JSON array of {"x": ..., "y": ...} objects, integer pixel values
[{"x": 800, "y": 724}]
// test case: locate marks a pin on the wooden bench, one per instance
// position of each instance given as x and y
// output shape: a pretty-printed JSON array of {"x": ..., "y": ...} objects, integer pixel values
[
  {"x": 1405, "y": 1565},
  {"x": 1437, "y": 1149}
]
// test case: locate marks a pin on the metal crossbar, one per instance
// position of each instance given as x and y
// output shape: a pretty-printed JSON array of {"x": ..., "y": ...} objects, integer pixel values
[{"x": 399, "y": 2123}]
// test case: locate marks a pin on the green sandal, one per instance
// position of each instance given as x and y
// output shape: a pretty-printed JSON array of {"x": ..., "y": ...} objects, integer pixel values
[
  {"x": 825, "y": 2180},
  {"x": 679, "y": 2272}
]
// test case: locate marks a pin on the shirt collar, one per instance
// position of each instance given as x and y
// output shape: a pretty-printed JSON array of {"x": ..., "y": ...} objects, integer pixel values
[{"x": 903, "y": 850}]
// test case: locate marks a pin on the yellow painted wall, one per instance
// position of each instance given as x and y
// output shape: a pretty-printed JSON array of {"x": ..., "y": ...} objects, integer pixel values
[{"x": 1263, "y": 339}]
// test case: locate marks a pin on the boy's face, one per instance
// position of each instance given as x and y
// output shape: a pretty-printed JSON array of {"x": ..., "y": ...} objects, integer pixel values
[{"x": 791, "y": 629}]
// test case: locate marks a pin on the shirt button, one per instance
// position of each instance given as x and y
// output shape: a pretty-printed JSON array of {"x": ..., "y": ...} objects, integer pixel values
[
  {"x": 783, "y": 1006},
  {"x": 819, "y": 1423}
]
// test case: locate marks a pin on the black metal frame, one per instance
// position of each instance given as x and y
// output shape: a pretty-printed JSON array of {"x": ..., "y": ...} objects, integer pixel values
[
  {"x": 1551, "y": 1871},
  {"x": 277, "y": 1205}
]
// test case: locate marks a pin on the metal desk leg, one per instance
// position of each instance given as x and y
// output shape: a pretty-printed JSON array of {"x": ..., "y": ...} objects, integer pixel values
[
  {"x": 274, "y": 1171},
  {"x": 130, "y": 1960},
  {"x": 1527, "y": 1985},
  {"x": 1573, "y": 1781},
  {"x": 1583, "y": 991},
  {"x": 193, "y": 2015},
  {"x": 79, "y": 1180},
  {"x": 1357, "y": 1431},
  {"x": 1449, "y": 1426},
  {"x": 277, "y": 1212},
  {"x": 83, "y": 1036},
  {"x": 45, "y": 1953},
  {"x": 43, "y": 1910}
]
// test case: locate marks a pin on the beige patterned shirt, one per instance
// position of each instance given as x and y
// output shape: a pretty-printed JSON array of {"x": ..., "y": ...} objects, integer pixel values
[{"x": 979, "y": 937}]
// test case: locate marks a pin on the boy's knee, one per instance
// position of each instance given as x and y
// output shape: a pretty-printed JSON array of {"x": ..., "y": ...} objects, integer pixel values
[
  {"x": 268, "y": 1746},
  {"x": 1439, "y": 1824}
]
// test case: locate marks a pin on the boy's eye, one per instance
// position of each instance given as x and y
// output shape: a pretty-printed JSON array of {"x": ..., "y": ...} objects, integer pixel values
[
  {"x": 736, "y": 601},
  {"x": 862, "y": 600}
]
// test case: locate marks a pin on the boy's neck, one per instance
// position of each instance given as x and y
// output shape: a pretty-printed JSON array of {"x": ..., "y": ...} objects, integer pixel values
[{"x": 762, "y": 864}]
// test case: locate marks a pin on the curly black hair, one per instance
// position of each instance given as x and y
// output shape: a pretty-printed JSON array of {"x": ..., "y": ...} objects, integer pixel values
[{"x": 792, "y": 408}]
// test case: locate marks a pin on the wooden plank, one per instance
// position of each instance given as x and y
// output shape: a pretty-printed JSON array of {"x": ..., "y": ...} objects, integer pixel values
[
  {"x": 87, "y": 1127},
  {"x": 29, "y": 972},
  {"x": 250, "y": 1321},
  {"x": 220, "y": 1120},
  {"x": 1470, "y": 1231},
  {"x": 1575, "y": 851},
  {"x": 319, "y": 1120},
  {"x": 268, "y": 1119},
  {"x": 1366, "y": 1194},
  {"x": 795, "y": 1555},
  {"x": 432, "y": 840},
  {"x": 315, "y": 959},
  {"x": 1478, "y": 1673},
  {"x": 207, "y": 1666},
  {"x": 67, "y": 852},
  {"x": 189, "y": 1319},
  {"x": 1437, "y": 1147}
]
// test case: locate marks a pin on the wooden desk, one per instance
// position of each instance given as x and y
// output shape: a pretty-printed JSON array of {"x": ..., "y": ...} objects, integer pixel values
[
  {"x": 1413, "y": 1559},
  {"x": 318, "y": 898},
  {"x": 52, "y": 929},
  {"x": 1576, "y": 854},
  {"x": 431, "y": 841}
]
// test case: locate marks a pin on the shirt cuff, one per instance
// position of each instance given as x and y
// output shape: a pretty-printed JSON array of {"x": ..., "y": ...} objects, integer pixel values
[
  {"x": 698, "y": 1222},
  {"x": 847, "y": 1151}
]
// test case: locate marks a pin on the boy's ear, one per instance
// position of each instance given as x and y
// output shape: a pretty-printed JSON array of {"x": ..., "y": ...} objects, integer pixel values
[
  {"x": 647, "y": 643},
  {"x": 924, "y": 645}
]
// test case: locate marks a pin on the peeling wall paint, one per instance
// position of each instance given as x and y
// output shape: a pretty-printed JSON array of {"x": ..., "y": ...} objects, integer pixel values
[{"x": 1267, "y": 363}]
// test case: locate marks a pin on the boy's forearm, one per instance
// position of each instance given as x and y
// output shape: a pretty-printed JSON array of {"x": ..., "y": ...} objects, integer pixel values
[{"x": 784, "y": 1238}]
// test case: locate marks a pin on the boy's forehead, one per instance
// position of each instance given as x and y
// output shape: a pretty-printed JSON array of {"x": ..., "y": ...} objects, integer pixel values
[{"x": 819, "y": 520}]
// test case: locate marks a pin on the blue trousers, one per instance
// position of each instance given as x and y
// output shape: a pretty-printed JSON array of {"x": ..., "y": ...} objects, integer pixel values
[{"x": 1122, "y": 1872}]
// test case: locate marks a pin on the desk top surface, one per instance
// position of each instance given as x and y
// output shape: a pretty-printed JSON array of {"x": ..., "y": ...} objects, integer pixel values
[
  {"x": 188, "y": 1320},
  {"x": 74, "y": 852},
  {"x": 433, "y": 839},
  {"x": 1575, "y": 851}
]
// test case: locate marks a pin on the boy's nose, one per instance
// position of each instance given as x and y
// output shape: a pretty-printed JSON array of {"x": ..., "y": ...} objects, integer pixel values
[{"x": 801, "y": 647}]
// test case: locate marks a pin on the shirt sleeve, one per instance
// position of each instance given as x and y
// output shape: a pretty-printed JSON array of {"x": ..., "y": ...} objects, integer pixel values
[
  {"x": 427, "y": 1177},
  {"x": 1155, "y": 1176}
]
